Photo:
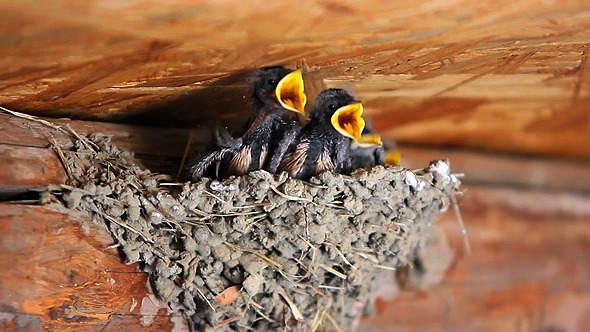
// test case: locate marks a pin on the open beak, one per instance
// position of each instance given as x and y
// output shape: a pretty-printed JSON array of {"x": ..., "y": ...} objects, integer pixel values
[
  {"x": 347, "y": 120},
  {"x": 370, "y": 139},
  {"x": 393, "y": 157},
  {"x": 367, "y": 140},
  {"x": 290, "y": 93}
]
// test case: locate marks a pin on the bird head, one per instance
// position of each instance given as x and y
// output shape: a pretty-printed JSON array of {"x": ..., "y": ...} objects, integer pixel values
[
  {"x": 342, "y": 110},
  {"x": 281, "y": 85}
]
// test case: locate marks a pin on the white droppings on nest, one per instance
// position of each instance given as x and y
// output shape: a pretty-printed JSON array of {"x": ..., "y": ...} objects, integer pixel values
[
  {"x": 218, "y": 186},
  {"x": 133, "y": 304},
  {"x": 410, "y": 179},
  {"x": 443, "y": 169},
  {"x": 413, "y": 181}
]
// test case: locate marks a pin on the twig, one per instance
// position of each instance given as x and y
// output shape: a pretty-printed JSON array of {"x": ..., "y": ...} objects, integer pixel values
[
  {"x": 204, "y": 298},
  {"x": 214, "y": 196},
  {"x": 466, "y": 242},
  {"x": 385, "y": 267},
  {"x": 296, "y": 313},
  {"x": 263, "y": 315},
  {"x": 36, "y": 119},
  {"x": 170, "y": 217},
  {"x": 306, "y": 220},
  {"x": 62, "y": 157},
  {"x": 318, "y": 319},
  {"x": 333, "y": 322},
  {"x": 331, "y": 287},
  {"x": 369, "y": 257},
  {"x": 343, "y": 257},
  {"x": 84, "y": 140},
  {"x": 289, "y": 197},
  {"x": 225, "y": 322},
  {"x": 313, "y": 258},
  {"x": 188, "y": 145},
  {"x": 334, "y": 272},
  {"x": 144, "y": 236}
]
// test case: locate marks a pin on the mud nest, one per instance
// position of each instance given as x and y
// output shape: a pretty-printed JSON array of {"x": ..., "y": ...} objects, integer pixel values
[{"x": 260, "y": 251}]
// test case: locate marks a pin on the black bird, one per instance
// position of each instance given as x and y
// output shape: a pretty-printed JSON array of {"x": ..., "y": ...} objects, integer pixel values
[
  {"x": 277, "y": 92},
  {"x": 324, "y": 143},
  {"x": 368, "y": 151}
]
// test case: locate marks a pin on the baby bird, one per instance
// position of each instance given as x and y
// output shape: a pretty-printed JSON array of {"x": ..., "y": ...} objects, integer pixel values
[
  {"x": 324, "y": 143},
  {"x": 277, "y": 92},
  {"x": 368, "y": 151}
]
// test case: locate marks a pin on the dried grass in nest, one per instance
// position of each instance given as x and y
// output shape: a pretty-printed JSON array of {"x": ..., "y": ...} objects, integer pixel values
[{"x": 262, "y": 251}]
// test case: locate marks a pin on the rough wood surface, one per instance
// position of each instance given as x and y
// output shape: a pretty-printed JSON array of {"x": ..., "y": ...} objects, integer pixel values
[
  {"x": 503, "y": 170},
  {"x": 33, "y": 163},
  {"x": 529, "y": 271},
  {"x": 55, "y": 277},
  {"x": 159, "y": 149},
  {"x": 512, "y": 76}
]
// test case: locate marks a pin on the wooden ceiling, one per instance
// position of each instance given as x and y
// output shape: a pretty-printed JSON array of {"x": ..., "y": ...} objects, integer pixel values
[{"x": 505, "y": 76}]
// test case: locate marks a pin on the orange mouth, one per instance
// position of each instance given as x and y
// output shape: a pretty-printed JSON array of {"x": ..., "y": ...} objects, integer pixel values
[
  {"x": 289, "y": 92},
  {"x": 347, "y": 120}
]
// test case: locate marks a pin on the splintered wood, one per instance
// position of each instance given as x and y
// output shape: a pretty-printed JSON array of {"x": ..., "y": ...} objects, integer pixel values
[{"x": 505, "y": 76}]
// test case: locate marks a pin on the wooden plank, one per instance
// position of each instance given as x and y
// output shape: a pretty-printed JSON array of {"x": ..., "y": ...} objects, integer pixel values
[
  {"x": 517, "y": 278},
  {"x": 159, "y": 149},
  {"x": 505, "y": 170},
  {"x": 29, "y": 166},
  {"x": 30, "y": 162},
  {"x": 55, "y": 277},
  {"x": 529, "y": 269},
  {"x": 508, "y": 78}
]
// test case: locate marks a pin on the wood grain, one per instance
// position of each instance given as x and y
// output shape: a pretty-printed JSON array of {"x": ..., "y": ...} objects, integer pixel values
[
  {"x": 32, "y": 163},
  {"x": 527, "y": 221},
  {"x": 55, "y": 277},
  {"x": 509, "y": 77},
  {"x": 28, "y": 166},
  {"x": 529, "y": 270},
  {"x": 159, "y": 149}
]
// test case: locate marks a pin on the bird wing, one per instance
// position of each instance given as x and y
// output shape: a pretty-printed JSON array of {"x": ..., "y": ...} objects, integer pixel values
[
  {"x": 293, "y": 162},
  {"x": 282, "y": 147},
  {"x": 324, "y": 163},
  {"x": 262, "y": 159},
  {"x": 241, "y": 161},
  {"x": 197, "y": 171}
]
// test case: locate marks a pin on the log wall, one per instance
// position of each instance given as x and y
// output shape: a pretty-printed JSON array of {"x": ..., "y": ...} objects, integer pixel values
[{"x": 501, "y": 88}]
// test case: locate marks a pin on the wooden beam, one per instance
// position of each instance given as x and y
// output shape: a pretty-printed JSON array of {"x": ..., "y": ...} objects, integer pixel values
[
  {"x": 159, "y": 149},
  {"x": 503, "y": 170},
  {"x": 29, "y": 166},
  {"x": 529, "y": 269},
  {"x": 59, "y": 272},
  {"x": 509, "y": 78},
  {"x": 32, "y": 163}
]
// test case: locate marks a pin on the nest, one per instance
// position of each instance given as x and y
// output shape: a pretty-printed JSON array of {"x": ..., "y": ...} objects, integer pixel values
[{"x": 260, "y": 251}]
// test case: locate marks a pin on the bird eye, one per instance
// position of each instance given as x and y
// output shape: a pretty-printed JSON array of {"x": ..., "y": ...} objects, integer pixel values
[
  {"x": 332, "y": 107},
  {"x": 271, "y": 82}
]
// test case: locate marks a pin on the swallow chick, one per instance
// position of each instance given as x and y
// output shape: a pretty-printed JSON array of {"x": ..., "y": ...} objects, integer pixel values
[
  {"x": 324, "y": 143},
  {"x": 277, "y": 92},
  {"x": 368, "y": 151}
]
